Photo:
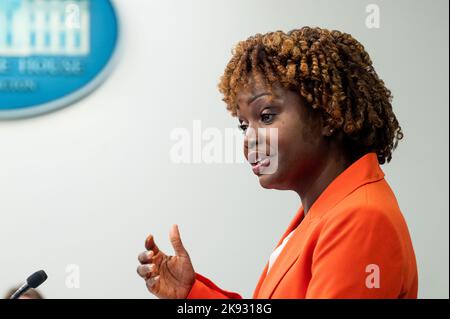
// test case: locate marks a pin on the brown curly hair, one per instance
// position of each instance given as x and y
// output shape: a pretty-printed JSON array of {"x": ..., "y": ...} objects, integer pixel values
[{"x": 332, "y": 72}]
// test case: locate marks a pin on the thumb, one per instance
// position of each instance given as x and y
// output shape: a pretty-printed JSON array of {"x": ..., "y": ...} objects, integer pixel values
[{"x": 177, "y": 244}]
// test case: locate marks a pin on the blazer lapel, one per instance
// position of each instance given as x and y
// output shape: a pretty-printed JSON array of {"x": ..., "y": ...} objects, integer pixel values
[{"x": 268, "y": 281}]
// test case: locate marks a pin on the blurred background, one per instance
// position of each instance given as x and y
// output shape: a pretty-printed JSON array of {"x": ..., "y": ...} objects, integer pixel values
[{"x": 83, "y": 186}]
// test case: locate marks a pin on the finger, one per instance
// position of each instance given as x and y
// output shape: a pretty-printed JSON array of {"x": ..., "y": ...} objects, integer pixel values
[
  {"x": 152, "y": 283},
  {"x": 146, "y": 271},
  {"x": 177, "y": 244},
  {"x": 146, "y": 257},
  {"x": 150, "y": 244}
]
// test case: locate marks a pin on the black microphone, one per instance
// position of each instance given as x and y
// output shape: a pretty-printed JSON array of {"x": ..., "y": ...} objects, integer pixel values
[{"x": 34, "y": 281}]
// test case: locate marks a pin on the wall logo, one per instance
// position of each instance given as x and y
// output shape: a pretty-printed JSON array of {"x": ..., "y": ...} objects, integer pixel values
[{"x": 52, "y": 52}]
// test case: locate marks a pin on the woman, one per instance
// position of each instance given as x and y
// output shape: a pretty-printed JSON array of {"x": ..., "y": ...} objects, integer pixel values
[{"x": 335, "y": 127}]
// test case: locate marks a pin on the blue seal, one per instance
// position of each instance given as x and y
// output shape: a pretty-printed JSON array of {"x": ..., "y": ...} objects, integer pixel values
[{"x": 53, "y": 52}]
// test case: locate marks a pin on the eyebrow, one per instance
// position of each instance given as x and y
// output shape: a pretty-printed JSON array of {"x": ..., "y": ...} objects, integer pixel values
[{"x": 254, "y": 97}]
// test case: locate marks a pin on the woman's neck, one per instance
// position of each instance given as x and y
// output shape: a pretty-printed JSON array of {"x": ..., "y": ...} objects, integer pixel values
[{"x": 311, "y": 190}]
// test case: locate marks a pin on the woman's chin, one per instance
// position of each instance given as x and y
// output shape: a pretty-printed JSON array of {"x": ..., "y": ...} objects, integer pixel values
[
  {"x": 274, "y": 181},
  {"x": 267, "y": 181}
]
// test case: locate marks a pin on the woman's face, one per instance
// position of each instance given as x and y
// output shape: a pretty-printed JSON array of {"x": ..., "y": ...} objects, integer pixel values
[{"x": 284, "y": 139}]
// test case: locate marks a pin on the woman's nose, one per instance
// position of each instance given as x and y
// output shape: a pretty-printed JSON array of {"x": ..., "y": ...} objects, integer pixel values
[{"x": 250, "y": 138}]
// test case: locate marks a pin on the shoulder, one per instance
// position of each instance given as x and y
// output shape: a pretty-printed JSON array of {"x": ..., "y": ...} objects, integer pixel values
[{"x": 370, "y": 207}]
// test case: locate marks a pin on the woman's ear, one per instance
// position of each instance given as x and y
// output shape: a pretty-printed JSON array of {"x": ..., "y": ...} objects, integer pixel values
[{"x": 327, "y": 130}]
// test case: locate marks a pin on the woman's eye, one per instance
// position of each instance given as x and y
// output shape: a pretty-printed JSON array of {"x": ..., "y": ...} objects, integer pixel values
[
  {"x": 243, "y": 127},
  {"x": 267, "y": 118}
]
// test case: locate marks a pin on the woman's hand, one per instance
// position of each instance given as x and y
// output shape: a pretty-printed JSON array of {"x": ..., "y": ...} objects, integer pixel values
[{"x": 167, "y": 276}]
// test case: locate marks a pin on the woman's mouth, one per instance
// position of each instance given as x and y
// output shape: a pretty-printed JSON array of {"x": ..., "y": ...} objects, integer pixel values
[{"x": 258, "y": 166}]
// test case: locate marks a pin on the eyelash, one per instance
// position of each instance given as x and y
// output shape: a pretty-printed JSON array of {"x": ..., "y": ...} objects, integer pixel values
[
  {"x": 243, "y": 127},
  {"x": 271, "y": 115}
]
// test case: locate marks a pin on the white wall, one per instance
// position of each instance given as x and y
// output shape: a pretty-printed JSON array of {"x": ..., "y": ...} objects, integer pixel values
[{"x": 86, "y": 184}]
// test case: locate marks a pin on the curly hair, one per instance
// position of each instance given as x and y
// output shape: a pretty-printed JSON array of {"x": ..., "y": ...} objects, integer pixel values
[{"x": 332, "y": 72}]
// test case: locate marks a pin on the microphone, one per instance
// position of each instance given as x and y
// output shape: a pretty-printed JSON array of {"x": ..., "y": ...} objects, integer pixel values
[{"x": 34, "y": 281}]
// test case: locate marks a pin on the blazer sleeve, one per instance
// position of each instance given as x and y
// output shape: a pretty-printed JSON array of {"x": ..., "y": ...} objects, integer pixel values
[
  {"x": 204, "y": 288},
  {"x": 358, "y": 255}
]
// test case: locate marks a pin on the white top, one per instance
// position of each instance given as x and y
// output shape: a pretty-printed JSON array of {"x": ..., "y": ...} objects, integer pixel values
[{"x": 278, "y": 250}]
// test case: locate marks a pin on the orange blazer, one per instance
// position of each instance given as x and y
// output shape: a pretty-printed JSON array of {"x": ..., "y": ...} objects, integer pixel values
[{"x": 353, "y": 243}]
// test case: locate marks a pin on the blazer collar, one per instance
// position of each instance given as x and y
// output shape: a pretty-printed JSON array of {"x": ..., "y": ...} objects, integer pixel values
[{"x": 364, "y": 170}]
